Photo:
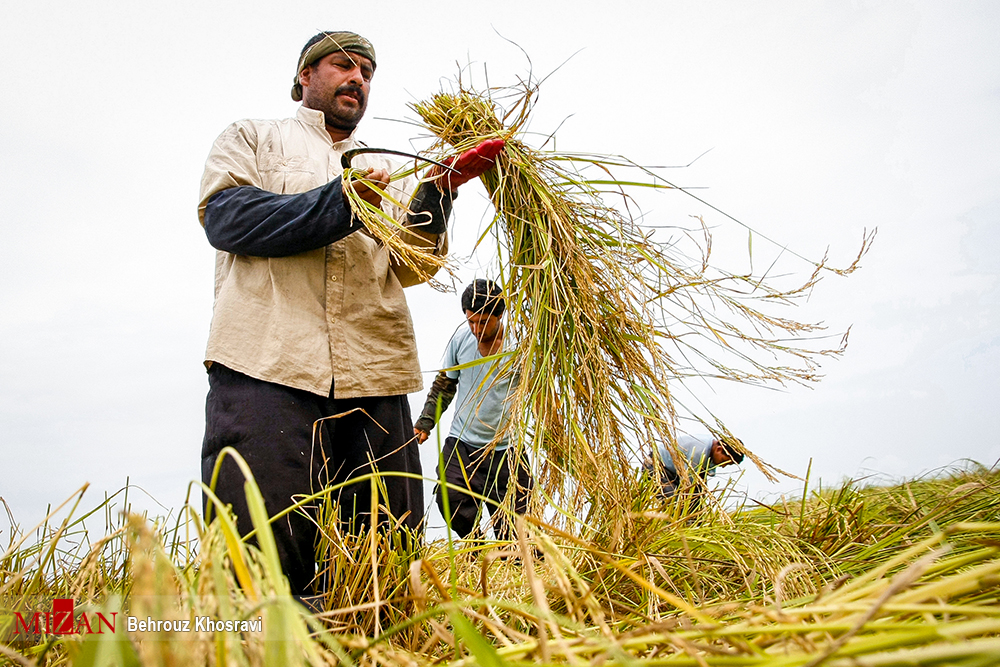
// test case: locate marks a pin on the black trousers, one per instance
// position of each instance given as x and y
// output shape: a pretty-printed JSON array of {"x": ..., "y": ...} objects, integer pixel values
[
  {"x": 271, "y": 426},
  {"x": 669, "y": 480},
  {"x": 486, "y": 473}
]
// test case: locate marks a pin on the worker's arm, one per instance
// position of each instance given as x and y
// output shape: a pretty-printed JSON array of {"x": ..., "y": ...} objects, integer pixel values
[
  {"x": 247, "y": 220},
  {"x": 240, "y": 216},
  {"x": 442, "y": 390}
]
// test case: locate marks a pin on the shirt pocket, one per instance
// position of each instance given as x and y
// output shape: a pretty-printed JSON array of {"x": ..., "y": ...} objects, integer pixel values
[{"x": 287, "y": 174}]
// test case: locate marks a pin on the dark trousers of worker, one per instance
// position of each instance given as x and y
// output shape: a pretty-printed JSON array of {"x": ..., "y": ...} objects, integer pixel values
[
  {"x": 669, "y": 480},
  {"x": 486, "y": 472},
  {"x": 670, "y": 483},
  {"x": 271, "y": 426}
]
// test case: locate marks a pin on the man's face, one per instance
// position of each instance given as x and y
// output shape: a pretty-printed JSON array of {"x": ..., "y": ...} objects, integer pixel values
[
  {"x": 484, "y": 327},
  {"x": 337, "y": 84},
  {"x": 719, "y": 456}
]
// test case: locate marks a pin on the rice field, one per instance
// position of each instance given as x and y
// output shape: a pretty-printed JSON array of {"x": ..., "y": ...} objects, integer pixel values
[
  {"x": 611, "y": 321},
  {"x": 907, "y": 574}
]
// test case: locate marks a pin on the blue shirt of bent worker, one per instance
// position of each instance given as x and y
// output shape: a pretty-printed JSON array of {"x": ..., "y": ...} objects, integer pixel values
[
  {"x": 697, "y": 451},
  {"x": 483, "y": 394}
]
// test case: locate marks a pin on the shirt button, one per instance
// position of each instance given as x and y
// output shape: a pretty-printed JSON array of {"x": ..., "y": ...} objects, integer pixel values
[{"x": 333, "y": 279}]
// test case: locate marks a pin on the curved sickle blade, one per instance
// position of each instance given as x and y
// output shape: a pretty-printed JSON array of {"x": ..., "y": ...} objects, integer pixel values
[{"x": 345, "y": 159}]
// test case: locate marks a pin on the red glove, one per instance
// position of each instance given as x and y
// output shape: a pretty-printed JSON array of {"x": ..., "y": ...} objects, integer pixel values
[{"x": 471, "y": 164}]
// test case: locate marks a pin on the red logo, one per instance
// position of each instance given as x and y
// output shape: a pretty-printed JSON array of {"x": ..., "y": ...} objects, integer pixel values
[{"x": 62, "y": 621}]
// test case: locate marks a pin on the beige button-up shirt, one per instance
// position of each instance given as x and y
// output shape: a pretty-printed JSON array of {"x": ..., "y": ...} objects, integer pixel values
[{"x": 331, "y": 316}]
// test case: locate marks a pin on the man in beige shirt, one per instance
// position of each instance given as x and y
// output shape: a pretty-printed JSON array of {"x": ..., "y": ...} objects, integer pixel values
[{"x": 310, "y": 320}]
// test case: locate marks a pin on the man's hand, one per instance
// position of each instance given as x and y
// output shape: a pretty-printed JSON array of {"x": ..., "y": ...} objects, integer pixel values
[
  {"x": 370, "y": 187},
  {"x": 421, "y": 436},
  {"x": 471, "y": 164}
]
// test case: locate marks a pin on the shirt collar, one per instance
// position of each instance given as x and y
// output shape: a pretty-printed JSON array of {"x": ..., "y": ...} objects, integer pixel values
[{"x": 316, "y": 118}]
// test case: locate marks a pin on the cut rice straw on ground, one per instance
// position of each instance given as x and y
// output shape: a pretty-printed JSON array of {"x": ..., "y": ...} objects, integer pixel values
[{"x": 747, "y": 590}]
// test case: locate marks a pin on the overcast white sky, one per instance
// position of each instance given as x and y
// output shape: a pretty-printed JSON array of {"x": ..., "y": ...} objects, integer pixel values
[{"x": 824, "y": 118}]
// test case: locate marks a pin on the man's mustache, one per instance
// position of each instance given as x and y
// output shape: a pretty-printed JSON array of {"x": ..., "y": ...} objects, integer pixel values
[{"x": 352, "y": 90}]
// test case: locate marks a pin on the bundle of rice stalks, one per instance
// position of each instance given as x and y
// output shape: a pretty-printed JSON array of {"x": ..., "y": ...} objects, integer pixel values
[{"x": 608, "y": 320}]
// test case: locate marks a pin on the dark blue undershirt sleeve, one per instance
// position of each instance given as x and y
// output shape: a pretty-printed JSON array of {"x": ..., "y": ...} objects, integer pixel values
[
  {"x": 246, "y": 220},
  {"x": 431, "y": 208}
]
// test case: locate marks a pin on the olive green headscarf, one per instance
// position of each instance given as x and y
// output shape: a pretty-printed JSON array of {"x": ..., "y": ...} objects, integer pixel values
[{"x": 331, "y": 42}]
